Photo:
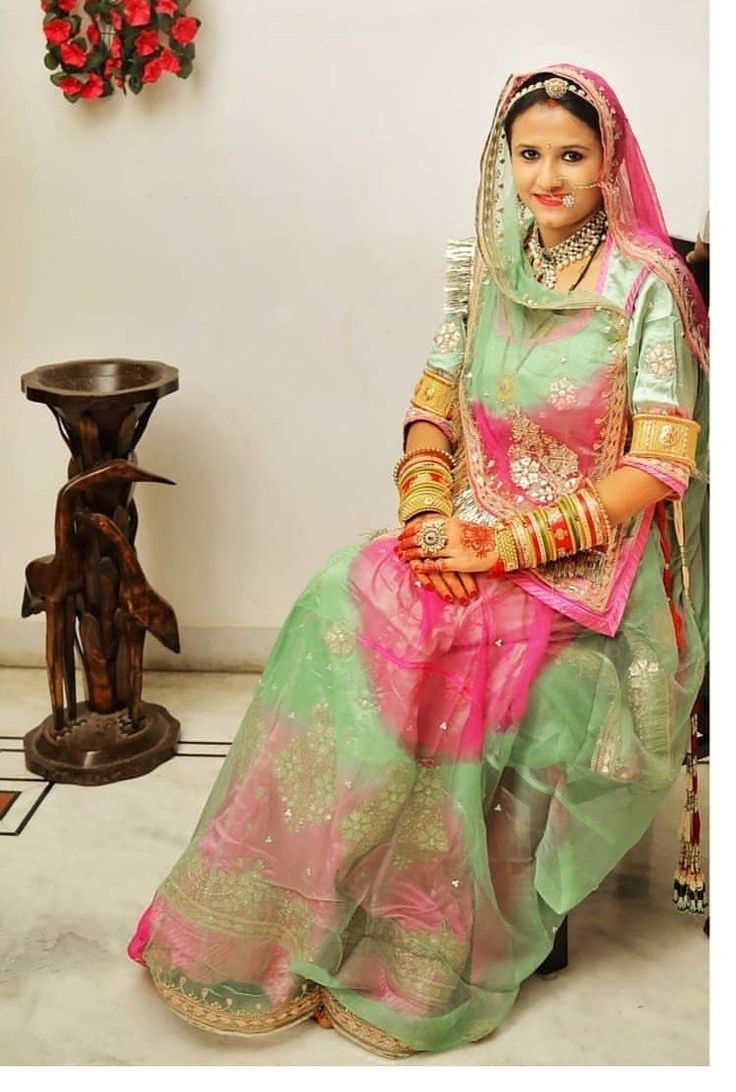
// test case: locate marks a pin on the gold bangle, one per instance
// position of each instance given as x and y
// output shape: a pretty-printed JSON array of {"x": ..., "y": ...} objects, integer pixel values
[
  {"x": 435, "y": 394},
  {"x": 664, "y": 437},
  {"x": 438, "y": 452},
  {"x": 424, "y": 466},
  {"x": 506, "y": 547},
  {"x": 425, "y": 500},
  {"x": 524, "y": 548}
]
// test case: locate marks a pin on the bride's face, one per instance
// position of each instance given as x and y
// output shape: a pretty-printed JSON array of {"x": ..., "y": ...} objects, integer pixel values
[{"x": 553, "y": 154}]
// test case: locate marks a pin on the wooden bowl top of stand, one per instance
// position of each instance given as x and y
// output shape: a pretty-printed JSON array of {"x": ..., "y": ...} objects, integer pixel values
[{"x": 136, "y": 380}]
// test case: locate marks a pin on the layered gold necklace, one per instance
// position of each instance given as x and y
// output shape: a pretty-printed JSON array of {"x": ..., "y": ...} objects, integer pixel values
[{"x": 547, "y": 261}]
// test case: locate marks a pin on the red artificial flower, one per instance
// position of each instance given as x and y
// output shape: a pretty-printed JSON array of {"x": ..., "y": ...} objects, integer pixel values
[
  {"x": 147, "y": 42},
  {"x": 72, "y": 55},
  {"x": 116, "y": 19},
  {"x": 152, "y": 71},
  {"x": 183, "y": 30},
  {"x": 93, "y": 34},
  {"x": 166, "y": 7},
  {"x": 70, "y": 85},
  {"x": 93, "y": 87},
  {"x": 66, "y": 5},
  {"x": 169, "y": 61},
  {"x": 116, "y": 47},
  {"x": 137, "y": 12},
  {"x": 58, "y": 31}
]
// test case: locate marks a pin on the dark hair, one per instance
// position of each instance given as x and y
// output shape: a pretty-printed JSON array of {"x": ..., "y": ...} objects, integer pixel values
[{"x": 573, "y": 103}]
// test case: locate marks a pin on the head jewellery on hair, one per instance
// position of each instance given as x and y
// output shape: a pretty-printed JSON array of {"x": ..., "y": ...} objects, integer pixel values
[{"x": 555, "y": 87}]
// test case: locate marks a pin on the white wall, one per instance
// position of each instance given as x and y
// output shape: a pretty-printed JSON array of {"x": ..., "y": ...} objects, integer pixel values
[{"x": 275, "y": 228}]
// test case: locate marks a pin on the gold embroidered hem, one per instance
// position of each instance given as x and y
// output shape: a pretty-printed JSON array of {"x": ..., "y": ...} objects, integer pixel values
[
  {"x": 361, "y": 1032},
  {"x": 672, "y": 438},
  {"x": 190, "y": 1003}
]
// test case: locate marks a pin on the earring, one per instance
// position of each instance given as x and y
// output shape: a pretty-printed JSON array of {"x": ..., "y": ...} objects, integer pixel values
[{"x": 521, "y": 210}]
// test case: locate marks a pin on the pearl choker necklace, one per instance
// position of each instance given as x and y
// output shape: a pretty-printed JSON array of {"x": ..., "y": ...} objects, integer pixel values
[{"x": 546, "y": 261}]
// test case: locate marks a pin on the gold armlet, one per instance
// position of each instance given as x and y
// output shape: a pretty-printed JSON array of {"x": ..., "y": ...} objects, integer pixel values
[
  {"x": 664, "y": 437},
  {"x": 435, "y": 394}
]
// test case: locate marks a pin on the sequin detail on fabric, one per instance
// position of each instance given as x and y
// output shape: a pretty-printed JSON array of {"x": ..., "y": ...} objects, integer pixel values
[
  {"x": 660, "y": 360},
  {"x": 308, "y": 800},
  {"x": 540, "y": 465}
]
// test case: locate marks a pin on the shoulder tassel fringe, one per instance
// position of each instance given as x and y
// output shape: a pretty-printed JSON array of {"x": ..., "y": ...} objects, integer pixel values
[{"x": 458, "y": 275}]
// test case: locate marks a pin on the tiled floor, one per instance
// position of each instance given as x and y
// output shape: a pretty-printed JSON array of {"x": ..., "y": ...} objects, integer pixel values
[{"x": 79, "y": 865}]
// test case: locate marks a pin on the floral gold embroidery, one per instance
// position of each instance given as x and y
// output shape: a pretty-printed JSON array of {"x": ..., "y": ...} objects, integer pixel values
[
  {"x": 371, "y": 821},
  {"x": 649, "y": 701},
  {"x": 338, "y": 641},
  {"x": 203, "y": 1010},
  {"x": 562, "y": 393},
  {"x": 448, "y": 338},
  {"x": 660, "y": 359},
  {"x": 239, "y": 903},
  {"x": 421, "y": 833},
  {"x": 368, "y": 1035},
  {"x": 309, "y": 800},
  {"x": 540, "y": 465},
  {"x": 424, "y": 966}
]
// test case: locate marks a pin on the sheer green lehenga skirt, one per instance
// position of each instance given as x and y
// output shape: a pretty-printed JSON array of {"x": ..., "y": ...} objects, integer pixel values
[{"x": 417, "y": 795}]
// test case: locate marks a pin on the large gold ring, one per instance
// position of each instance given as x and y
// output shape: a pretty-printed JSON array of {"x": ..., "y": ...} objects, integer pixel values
[{"x": 432, "y": 538}]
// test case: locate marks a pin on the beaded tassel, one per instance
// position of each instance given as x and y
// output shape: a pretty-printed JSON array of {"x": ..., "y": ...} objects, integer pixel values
[{"x": 689, "y": 893}]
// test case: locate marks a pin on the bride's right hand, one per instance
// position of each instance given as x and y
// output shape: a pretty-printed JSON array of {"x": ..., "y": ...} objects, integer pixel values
[{"x": 452, "y": 587}]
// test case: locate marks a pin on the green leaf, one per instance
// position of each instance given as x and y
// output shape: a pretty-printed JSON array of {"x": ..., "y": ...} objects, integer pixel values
[
  {"x": 185, "y": 70},
  {"x": 187, "y": 52},
  {"x": 51, "y": 61},
  {"x": 80, "y": 41},
  {"x": 135, "y": 84}
]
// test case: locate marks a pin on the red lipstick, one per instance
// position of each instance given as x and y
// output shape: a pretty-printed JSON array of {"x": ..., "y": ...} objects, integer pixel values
[{"x": 547, "y": 199}]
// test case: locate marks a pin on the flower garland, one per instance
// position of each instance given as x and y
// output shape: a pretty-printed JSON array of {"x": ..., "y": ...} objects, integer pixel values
[{"x": 125, "y": 43}]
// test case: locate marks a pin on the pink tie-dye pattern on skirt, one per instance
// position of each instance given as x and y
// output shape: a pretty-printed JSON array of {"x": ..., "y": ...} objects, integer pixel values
[{"x": 445, "y": 674}]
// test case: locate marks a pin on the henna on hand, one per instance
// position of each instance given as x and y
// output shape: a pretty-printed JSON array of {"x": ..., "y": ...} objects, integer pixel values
[{"x": 481, "y": 540}]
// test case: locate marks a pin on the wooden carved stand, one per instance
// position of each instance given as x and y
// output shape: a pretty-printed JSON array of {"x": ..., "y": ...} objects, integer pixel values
[{"x": 92, "y": 588}]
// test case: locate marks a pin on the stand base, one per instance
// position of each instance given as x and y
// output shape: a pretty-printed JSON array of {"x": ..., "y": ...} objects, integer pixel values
[{"x": 98, "y": 748}]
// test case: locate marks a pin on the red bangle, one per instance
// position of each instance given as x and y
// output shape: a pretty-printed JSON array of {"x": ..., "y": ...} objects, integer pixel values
[
  {"x": 560, "y": 531},
  {"x": 582, "y": 500}
]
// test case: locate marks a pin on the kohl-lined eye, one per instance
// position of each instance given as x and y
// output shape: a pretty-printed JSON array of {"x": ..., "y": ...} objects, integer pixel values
[
  {"x": 529, "y": 153},
  {"x": 575, "y": 157}
]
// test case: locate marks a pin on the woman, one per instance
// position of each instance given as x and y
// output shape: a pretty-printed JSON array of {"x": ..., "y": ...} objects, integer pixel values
[{"x": 466, "y": 724}]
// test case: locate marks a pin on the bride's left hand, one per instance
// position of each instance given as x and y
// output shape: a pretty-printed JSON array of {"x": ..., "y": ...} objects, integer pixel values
[{"x": 470, "y": 547}]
